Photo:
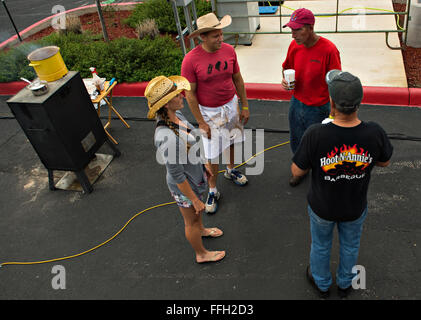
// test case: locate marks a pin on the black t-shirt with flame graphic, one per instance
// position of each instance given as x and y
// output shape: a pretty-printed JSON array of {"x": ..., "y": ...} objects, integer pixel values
[{"x": 341, "y": 160}]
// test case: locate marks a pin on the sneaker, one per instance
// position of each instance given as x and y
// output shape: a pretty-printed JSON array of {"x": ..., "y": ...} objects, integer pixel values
[
  {"x": 321, "y": 294},
  {"x": 212, "y": 202},
  {"x": 236, "y": 176},
  {"x": 343, "y": 293}
]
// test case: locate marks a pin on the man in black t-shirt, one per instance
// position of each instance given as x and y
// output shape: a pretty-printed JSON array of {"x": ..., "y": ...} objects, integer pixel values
[{"x": 341, "y": 155}]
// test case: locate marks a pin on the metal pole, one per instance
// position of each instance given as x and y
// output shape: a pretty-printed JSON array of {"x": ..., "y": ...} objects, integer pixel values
[
  {"x": 322, "y": 31},
  {"x": 189, "y": 23},
  {"x": 322, "y": 15},
  {"x": 101, "y": 18},
  {"x": 178, "y": 25},
  {"x": 280, "y": 17},
  {"x": 408, "y": 9},
  {"x": 194, "y": 11},
  {"x": 337, "y": 9},
  {"x": 10, "y": 17}
]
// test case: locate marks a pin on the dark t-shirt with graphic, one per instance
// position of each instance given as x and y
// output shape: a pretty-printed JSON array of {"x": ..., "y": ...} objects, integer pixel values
[{"x": 341, "y": 160}]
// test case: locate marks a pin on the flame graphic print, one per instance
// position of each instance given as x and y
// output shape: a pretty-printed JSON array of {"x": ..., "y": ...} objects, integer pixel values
[{"x": 346, "y": 159}]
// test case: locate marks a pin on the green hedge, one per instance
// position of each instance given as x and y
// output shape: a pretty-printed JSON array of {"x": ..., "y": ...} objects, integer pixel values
[
  {"x": 14, "y": 64},
  {"x": 128, "y": 60},
  {"x": 161, "y": 11}
]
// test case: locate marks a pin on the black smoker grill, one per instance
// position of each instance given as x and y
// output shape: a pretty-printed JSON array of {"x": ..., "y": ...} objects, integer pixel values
[{"x": 62, "y": 126}]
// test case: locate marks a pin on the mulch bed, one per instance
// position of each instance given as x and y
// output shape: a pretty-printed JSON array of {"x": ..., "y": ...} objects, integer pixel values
[
  {"x": 116, "y": 28},
  {"x": 114, "y": 23},
  {"x": 411, "y": 56}
]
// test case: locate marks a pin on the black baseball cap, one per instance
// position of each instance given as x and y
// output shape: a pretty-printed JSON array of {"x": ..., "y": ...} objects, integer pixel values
[{"x": 345, "y": 89}]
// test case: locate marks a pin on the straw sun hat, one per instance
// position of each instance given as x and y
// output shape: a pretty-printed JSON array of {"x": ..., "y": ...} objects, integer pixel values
[
  {"x": 210, "y": 22},
  {"x": 161, "y": 90}
]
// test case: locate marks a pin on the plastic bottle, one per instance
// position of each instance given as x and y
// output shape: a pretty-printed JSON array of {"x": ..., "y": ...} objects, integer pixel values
[{"x": 96, "y": 80}]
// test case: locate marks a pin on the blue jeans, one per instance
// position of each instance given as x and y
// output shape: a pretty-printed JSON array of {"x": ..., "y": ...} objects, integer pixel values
[
  {"x": 321, "y": 244},
  {"x": 301, "y": 117}
]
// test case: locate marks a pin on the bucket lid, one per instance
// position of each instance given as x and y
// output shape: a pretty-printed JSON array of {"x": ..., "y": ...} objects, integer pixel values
[{"x": 43, "y": 53}]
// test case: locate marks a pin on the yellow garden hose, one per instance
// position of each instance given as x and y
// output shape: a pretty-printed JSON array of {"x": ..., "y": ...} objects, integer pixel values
[
  {"x": 127, "y": 223},
  {"x": 366, "y": 8},
  {"x": 90, "y": 250}
]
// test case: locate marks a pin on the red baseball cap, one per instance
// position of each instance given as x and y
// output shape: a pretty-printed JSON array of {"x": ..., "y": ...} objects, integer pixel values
[{"x": 299, "y": 18}]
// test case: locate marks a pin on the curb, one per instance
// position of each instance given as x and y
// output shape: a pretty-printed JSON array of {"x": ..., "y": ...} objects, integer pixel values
[
  {"x": 44, "y": 23},
  {"x": 414, "y": 97},
  {"x": 386, "y": 96},
  {"x": 11, "y": 88},
  {"x": 136, "y": 89}
]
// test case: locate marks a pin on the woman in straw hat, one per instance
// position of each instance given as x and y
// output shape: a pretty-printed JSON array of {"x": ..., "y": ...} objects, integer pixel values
[{"x": 186, "y": 181}]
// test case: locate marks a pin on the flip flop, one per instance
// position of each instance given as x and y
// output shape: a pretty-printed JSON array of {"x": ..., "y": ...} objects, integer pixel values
[
  {"x": 214, "y": 233},
  {"x": 214, "y": 258}
]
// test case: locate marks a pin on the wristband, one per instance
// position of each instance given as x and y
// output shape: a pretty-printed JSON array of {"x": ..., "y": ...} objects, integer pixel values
[
  {"x": 244, "y": 108},
  {"x": 331, "y": 117}
]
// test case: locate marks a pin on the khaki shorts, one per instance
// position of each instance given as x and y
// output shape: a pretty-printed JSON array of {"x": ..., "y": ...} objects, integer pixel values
[{"x": 225, "y": 125}]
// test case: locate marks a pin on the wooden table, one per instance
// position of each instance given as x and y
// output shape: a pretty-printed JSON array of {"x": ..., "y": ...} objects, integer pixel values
[{"x": 107, "y": 96}]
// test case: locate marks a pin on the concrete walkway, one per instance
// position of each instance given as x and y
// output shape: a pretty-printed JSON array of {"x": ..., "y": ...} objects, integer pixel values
[{"x": 364, "y": 54}]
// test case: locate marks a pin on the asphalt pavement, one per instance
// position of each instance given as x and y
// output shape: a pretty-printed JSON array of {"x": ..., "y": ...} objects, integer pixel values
[
  {"x": 25, "y": 13},
  {"x": 265, "y": 224}
]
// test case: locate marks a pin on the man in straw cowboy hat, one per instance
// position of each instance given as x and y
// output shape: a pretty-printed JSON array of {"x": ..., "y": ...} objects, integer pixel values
[
  {"x": 214, "y": 75},
  {"x": 186, "y": 181}
]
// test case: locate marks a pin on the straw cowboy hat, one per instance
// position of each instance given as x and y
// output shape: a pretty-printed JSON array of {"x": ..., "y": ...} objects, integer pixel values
[
  {"x": 210, "y": 22},
  {"x": 160, "y": 90}
]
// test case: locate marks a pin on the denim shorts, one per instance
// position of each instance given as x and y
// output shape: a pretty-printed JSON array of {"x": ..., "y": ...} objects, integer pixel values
[{"x": 183, "y": 201}]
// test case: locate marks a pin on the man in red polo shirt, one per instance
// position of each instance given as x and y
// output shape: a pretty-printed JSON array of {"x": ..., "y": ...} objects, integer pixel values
[{"x": 312, "y": 57}]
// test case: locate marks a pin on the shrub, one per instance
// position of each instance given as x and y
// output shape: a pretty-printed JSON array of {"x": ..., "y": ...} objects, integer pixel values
[
  {"x": 73, "y": 24},
  {"x": 203, "y": 7},
  {"x": 161, "y": 11},
  {"x": 147, "y": 28},
  {"x": 128, "y": 60},
  {"x": 14, "y": 63}
]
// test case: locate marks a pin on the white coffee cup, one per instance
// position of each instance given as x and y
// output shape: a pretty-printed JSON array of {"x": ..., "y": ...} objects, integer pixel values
[{"x": 289, "y": 75}]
